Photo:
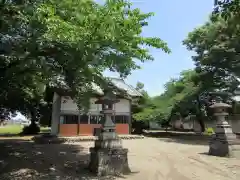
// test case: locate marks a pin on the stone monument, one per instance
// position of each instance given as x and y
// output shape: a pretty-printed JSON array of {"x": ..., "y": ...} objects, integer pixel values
[
  {"x": 221, "y": 143},
  {"x": 108, "y": 157}
]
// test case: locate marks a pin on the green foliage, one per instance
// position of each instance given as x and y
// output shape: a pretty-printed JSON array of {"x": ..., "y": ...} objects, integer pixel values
[
  {"x": 209, "y": 131},
  {"x": 182, "y": 97},
  {"x": 76, "y": 40},
  {"x": 216, "y": 45},
  {"x": 18, "y": 129},
  {"x": 97, "y": 37},
  {"x": 140, "y": 86},
  {"x": 216, "y": 56},
  {"x": 177, "y": 98}
]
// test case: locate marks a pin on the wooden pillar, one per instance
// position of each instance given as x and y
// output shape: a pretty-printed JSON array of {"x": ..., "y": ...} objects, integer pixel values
[
  {"x": 130, "y": 117},
  {"x": 78, "y": 128},
  {"x": 114, "y": 114},
  {"x": 89, "y": 115}
]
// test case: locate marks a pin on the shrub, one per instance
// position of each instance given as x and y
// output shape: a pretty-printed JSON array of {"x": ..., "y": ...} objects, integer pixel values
[
  {"x": 209, "y": 131},
  {"x": 32, "y": 129},
  {"x": 139, "y": 126}
]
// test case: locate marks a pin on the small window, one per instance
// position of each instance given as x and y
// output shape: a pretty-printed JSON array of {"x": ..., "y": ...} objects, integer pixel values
[
  {"x": 94, "y": 119},
  {"x": 69, "y": 119},
  {"x": 62, "y": 120},
  {"x": 120, "y": 119},
  {"x": 126, "y": 119},
  {"x": 84, "y": 119}
]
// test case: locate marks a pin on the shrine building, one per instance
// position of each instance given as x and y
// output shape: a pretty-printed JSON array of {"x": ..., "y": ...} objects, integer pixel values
[{"x": 67, "y": 120}]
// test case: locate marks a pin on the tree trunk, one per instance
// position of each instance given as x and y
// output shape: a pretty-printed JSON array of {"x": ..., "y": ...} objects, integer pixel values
[
  {"x": 34, "y": 118},
  {"x": 200, "y": 120},
  {"x": 199, "y": 115}
]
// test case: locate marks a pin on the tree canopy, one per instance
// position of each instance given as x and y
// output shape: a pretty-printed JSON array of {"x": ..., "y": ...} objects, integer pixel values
[
  {"x": 76, "y": 40},
  {"x": 177, "y": 91},
  {"x": 216, "y": 45},
  {"x": 216, "y": 56}
]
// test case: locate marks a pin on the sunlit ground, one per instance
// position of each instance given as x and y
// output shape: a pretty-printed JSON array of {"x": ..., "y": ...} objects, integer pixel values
[{"x": 149, "y": 159}]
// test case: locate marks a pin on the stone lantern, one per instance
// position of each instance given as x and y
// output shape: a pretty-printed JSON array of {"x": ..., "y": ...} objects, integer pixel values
[
  {"x": 108, "y": 157},
  {"x": 222, "y": 141}
]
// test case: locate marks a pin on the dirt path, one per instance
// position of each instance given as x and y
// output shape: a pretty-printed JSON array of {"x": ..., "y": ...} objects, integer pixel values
[
  {"x": 159, "y": 160},
  {"x": 149, "y": 159}
]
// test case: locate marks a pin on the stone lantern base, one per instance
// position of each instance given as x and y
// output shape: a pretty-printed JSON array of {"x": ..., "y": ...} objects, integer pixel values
[
  {"x": 223, "y": 141},
  {"x": 109, "y": 161}
]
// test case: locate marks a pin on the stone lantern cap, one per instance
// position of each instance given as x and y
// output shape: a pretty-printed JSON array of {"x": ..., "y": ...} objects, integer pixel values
[{"x": 220, "y": 105}]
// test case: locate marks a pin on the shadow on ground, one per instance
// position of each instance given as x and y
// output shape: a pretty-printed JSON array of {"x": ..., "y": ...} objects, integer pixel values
[
  {"x": 180, "y": 137},
  {"x": 12, "y": 135},
  {"x": 23, "y": 159}
]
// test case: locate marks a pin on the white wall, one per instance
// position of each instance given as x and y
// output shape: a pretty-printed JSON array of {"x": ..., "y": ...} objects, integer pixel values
[
  {"x": 122, "y": 106},
  {"x": 68, "y": 105}
]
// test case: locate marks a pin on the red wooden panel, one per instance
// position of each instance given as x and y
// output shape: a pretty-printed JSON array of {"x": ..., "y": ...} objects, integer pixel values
[
  {"x": 88, "y": 129},
  {"x": 122, "y": 128},
  {"x": 68, "y": 129}
]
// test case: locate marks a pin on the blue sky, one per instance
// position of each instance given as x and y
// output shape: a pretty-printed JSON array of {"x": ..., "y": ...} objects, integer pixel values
[{"x": 172, "y": 21}]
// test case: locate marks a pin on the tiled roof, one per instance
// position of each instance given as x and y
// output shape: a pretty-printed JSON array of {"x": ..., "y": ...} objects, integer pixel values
[
  {"x": 120, "y": 83},
  {"x": 117, "y": 82}
]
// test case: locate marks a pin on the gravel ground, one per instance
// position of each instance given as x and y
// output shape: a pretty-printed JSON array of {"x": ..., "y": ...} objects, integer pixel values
[
  {"x": 156, "y": 159},
  {"x": 149, "y": 159}
]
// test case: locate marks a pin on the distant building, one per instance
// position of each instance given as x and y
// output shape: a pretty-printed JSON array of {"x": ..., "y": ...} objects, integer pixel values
[{"x": 25, "y": 122}]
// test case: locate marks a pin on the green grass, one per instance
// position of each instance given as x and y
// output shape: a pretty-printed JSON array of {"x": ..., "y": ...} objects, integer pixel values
[
  {"x": 16, "y": 129},
  {"x": 45, "y": 129},
  {"x": 10, "y": 129}
]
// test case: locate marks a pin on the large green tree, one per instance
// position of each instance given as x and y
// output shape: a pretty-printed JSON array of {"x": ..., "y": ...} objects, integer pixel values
[
  {"x": 76, "y": 40},
  {"x": 182, "y": 97},
  {"x": 216, "y": 57},
  {"x": 216, "y": 50},
  {"x": 216, "y": 47},
  {"x": 176, "y": 92}
]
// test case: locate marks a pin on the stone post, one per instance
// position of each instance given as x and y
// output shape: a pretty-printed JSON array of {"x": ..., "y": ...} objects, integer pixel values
[
  {"x": 221, "y": 143},
  {"x": 108, "y": 157}
]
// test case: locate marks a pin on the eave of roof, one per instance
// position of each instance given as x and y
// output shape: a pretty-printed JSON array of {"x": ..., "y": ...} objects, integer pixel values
[{"x": 117, "y": 82}]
